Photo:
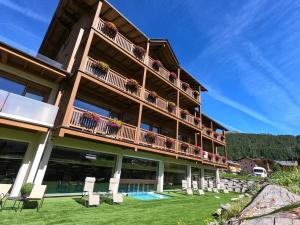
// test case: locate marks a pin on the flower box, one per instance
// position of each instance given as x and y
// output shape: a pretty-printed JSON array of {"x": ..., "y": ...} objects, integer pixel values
[
  {"x": 216, "y": 135},
  {"x": 169, "y": 143},
  {"x": 197, "y": 120},
  {"x": 150, "y": 137},
  {"x": 185, "y": 86},
  {"x": 132, "y": 85},
  {"x": 184, "y": 113},
  {"x": 156, "y": 64},
  {"x": 210, "y": 156},
  {"x": 114, "y": 125},
  {"x": 110, "y": 29},
  {"x": 224, "y": 160},
  {"x": 217, "y": 158},
  {"x": 172, "y": 76},
  {"x": 208, "y": 131},
  {"x": 184, "y": 146},
  {"x": 152, "y": 96},
  {"x": 196, "y": 94},
  {"x": 139, "y": 52},
  {"x": 171, "y": 106},
  {"x": 197, "y": 150},
  {"x": 89, "y": 120},
  {"x": 101, "y": 66}
]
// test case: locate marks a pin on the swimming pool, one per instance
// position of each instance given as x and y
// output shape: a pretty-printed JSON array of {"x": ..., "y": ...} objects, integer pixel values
[{"x": 147, "y": 196}]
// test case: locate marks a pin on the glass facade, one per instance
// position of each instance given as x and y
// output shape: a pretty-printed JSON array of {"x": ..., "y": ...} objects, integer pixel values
[
  {"x": 11, "y": 156},
  {"x": 140, "y": 175},
  {"x": 68, "y": 168},
  {"x": 174, "y": 174}
]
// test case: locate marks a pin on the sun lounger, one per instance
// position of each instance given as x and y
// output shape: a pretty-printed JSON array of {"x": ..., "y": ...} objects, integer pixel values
[
  {"x": 37, "y": 194},
  {"x": 4, "y": 189},
  {"x": 88, "y": 186},
  {"x": 93, "y": 200},
  {"x": 184, "y": 185}
]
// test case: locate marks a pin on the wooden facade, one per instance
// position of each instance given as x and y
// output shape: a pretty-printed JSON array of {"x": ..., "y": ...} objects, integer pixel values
[{"x": 77, "y": 38}]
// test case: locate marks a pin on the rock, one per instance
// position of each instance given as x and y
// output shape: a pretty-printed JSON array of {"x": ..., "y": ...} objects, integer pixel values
[
  {"x": 200, "y": 192},
  {"x": 209, "y": 189},
  {"x": 225, "y": 207},
  {"x": 272, "y": 197},
  {"x": 215, "y": 190},
  {"x": 234, "y": 199}
]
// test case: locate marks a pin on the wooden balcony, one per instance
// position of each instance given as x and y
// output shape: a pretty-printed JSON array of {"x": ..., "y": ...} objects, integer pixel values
[
  {"x": 119, "y": 39},
  {"x": 129, "y": 47},
  {"x": 112, "y": 78},
  {"x": 160, "y": 141},
  {"x": 131, "y": 134},
  {"x": 119, "y": 81},
  {"x": 213, "y": 135},
  {"x": 127, "y": 132}
]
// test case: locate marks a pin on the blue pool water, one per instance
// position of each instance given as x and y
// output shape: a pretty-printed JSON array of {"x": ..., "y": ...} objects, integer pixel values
[{"x": 147, "y": 196}]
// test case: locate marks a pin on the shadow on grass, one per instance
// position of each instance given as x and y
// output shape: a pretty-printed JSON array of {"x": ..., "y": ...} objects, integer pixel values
[{"x": 80, "y": 201}]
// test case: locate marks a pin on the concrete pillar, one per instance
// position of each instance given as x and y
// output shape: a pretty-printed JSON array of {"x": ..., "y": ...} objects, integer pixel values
[
  {"x": 117, "y": 172},
  {"x": 44, "y": 162},
  {"x": 189, "y": 176},
  {"x": 202, "y": 178},
  {"x": 160, "y": 177},
  {"x": 40, "y": 147},
  {"x": 217, "y": 179},
  {"x": 23, "y": 171}
]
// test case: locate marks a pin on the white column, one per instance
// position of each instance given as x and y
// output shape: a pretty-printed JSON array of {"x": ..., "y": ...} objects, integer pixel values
[
  {"x": 160, "y": 177},
  {"x": 217, "y": 179},
  {"x": 23, "y": 171},
  {"x": 44, "y": 162},
  {"x": 189, "y": 176},
  {"x": 202, "y": 178},
  {"x": 117, "y": 172},
  {"x": 38, "y": 155}
]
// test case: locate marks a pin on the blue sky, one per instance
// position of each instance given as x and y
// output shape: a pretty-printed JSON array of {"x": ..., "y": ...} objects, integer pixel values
[{"x": 247, "y": 53}]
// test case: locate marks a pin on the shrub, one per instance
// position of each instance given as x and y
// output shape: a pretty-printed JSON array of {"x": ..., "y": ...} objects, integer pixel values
[
  {"x": 114, "y": 123},
  {"x": 132, "y": 84},
  {"x": 150, "y": 136},
  {"x": 184, "y": 146},
  {"x": 110, "y": 29},
  {"x": 197, "y": 150},
  {"x": 197, "y": 120},
  {"x": 102, "y": 66},
  {"x": 236, "y": 208},
  {"x": 184, "y": 113},
  {"x": 153, "y": 95},
  {"x": 156, "y": 64},
  {"x": 172, "y": 76},
  {"x": 185, "y": 86},
  {"x": 289, "y": 179},
  {"x": 139, "y": 52},
  {"x": 171, "y": 106},
  {"x": 169, "y": 142},
  {"x": 89, "y": 120},
  {"x": 26, "y": 189}
]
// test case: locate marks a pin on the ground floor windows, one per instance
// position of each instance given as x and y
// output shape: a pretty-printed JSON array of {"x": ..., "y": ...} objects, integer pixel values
[
  {"x": 68, "y": 168},
  {"x": 174, "y": 174},
  {"x": 11, "y": 157},
  {"x": 138, "y": 175}
]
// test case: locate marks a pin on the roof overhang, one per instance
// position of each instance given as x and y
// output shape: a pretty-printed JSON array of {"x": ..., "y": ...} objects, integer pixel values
[
  {"x": 187, "y": 77},
  {"x": 20, "y": 60},
  {"x": 216, "y": 124}
]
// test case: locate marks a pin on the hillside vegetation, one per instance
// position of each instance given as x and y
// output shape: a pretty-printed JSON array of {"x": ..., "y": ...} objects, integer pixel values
[{"x": 280, "y": 147}]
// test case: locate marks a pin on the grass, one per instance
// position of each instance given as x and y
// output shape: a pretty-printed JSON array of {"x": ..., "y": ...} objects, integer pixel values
[
  {"x": 288, "y": 179},
  {"x": 239, "y": 176},
  {"x": 188, "y": 210}
]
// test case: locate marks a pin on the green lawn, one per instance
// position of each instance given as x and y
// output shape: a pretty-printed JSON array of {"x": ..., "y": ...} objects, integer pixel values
[{"x": 67, "y": 210}]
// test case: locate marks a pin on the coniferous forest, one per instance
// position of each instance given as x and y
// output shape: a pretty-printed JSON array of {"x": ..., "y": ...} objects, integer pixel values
[{"x": 277, "y": 147}]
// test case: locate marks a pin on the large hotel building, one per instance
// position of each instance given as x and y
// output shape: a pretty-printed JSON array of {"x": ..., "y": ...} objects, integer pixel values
[{"x": 103, "y": 100}]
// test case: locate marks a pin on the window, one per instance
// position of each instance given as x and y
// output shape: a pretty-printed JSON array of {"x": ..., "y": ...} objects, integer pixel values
[
  {"x": 96, "y": 109},
  {"x": 11, "y": 86},
  {"x": 149, "y": 127},
  {"x": 22, "y": 89}
]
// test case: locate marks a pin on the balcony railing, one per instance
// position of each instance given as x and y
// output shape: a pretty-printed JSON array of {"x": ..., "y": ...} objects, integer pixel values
[
  {"x": 215, "y": 135},
  {"x": 129, "y": 133},
  {"x": 111, "y": 77},
  {"x": 188, "y": 91},
  {"x": 158, "y": 102},
  {"x": 119, "y": 39},
  {"x": 129, "y": 47},
  {"x": 160, "y": 141},
  {"x": 126, "y": 132},
  {"x": 20, "y": 108}
]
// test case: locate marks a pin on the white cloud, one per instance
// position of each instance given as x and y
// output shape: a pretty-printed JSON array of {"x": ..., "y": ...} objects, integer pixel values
[{"x": 23, "y": 10}]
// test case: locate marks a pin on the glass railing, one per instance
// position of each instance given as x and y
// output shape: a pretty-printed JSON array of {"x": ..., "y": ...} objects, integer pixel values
[{"x": 20, "y": 108}]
